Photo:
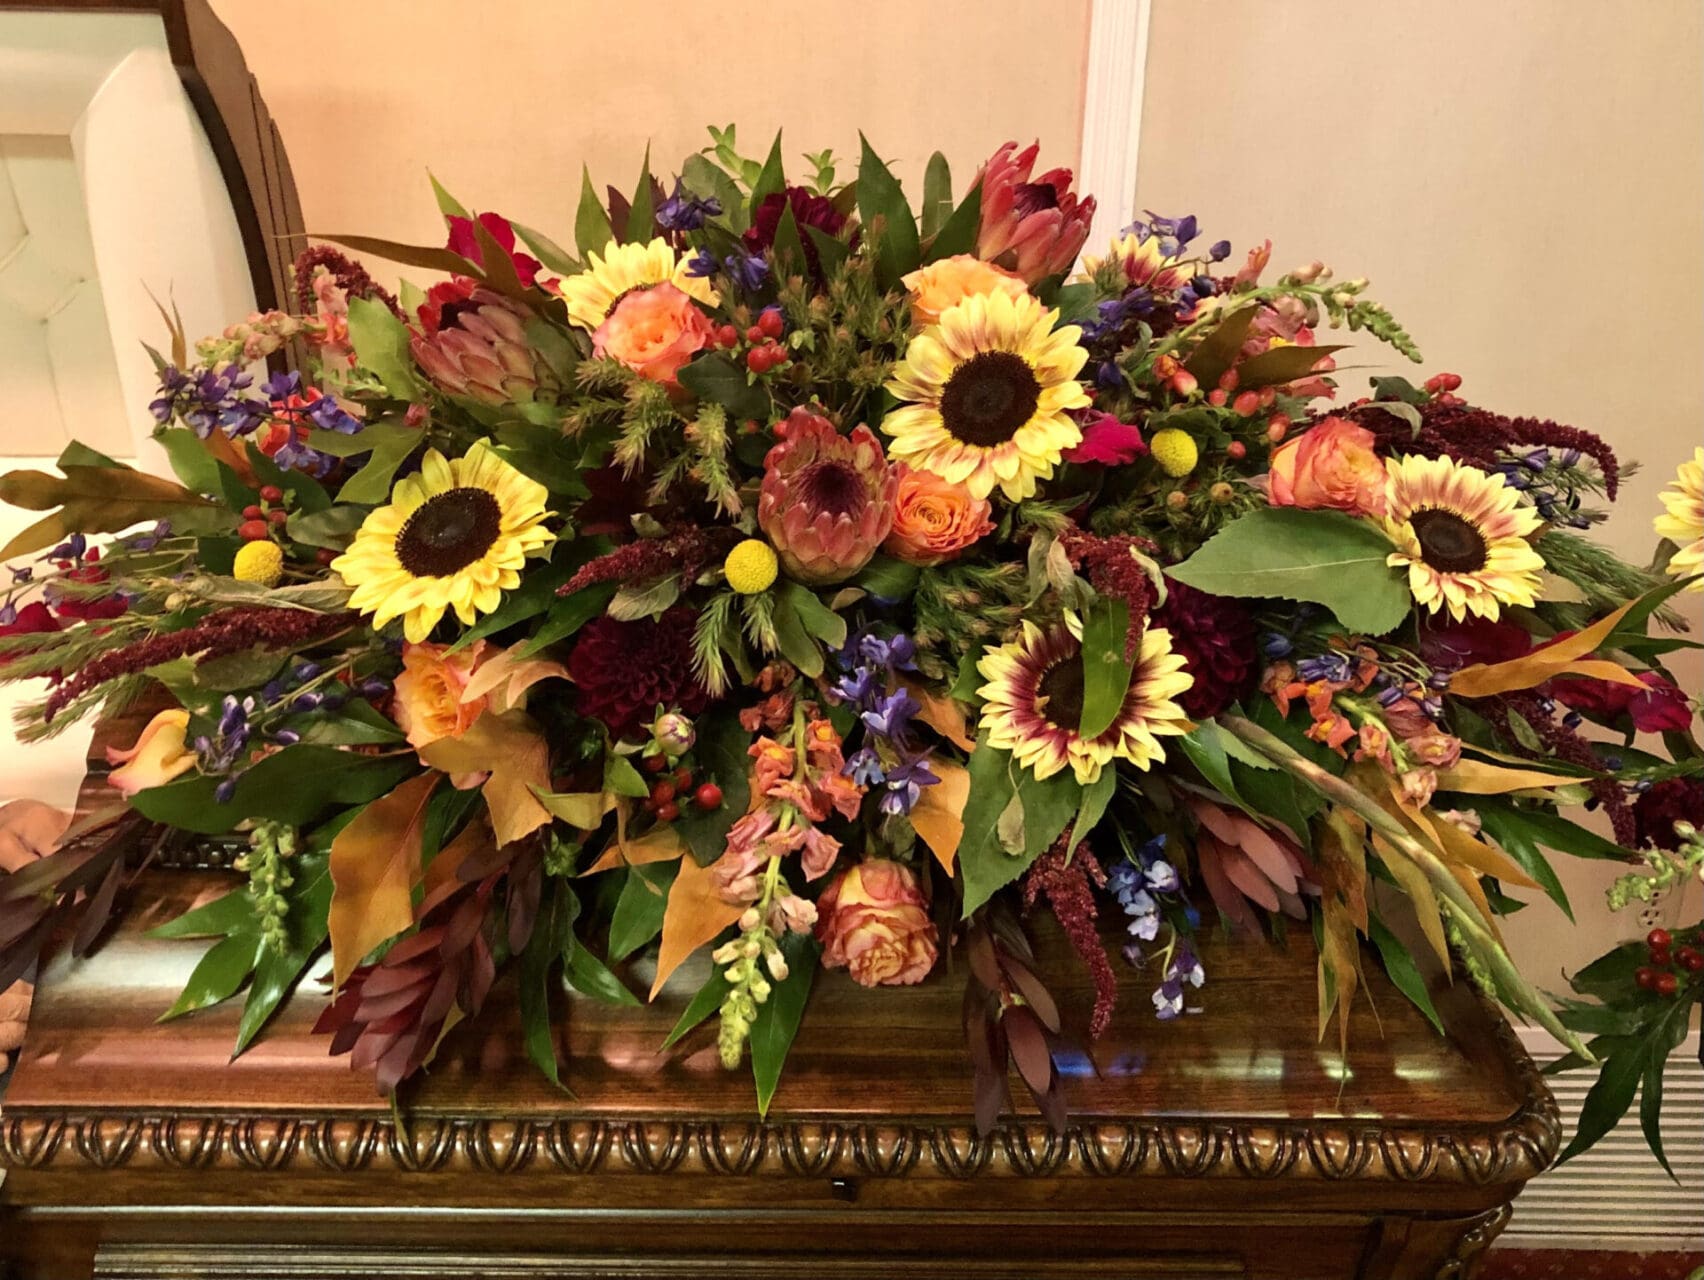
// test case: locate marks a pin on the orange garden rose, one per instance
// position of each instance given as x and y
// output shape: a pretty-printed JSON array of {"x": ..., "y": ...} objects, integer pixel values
[
  {"x": 946, "y": 283},
  {"x": 653, "y": 332},
  {"x": 874, "y": 923},
  {"x": 934, "y": 519},
  {"x": 430, "y": 690},
  {"x": 1332, "y": 465},
  {"x": 158, "y": 756}
]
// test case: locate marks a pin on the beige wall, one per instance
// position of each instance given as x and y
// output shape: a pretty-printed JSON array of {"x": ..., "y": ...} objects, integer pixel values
[
  {"x": 1523, "y": 182},
  {"x": 505, "y": 99}
]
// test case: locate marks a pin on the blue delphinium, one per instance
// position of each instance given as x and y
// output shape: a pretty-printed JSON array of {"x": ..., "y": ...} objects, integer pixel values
[
  {"x": 686, "y": 211},
  {"x": 887, "y": 760}
]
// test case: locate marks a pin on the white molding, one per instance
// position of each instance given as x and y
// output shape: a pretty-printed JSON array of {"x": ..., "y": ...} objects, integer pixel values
[{"x": 1112, "y": 113}]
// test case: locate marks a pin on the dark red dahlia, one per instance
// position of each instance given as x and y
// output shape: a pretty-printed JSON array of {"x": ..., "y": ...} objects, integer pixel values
[
  {"x": 808, "y": 211},
  {"x": 625, "y": 670},
  {"x": 1449, "y": 646},
  {"x": 1215, "y": 635},
  {"x": 1666, "y": 803}
]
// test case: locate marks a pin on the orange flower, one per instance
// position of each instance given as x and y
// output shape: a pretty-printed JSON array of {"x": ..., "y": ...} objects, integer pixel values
[
  {"x": 934, "y": 519},
  {"x": 430, "y": 691},
  {"x": 653, "y": 332},
  {"x": 946, "y": 283},
  {"x": 873, "y": 922},
  {"x": 158, "y": 756},
  {"x": 1331, "y": 466}
]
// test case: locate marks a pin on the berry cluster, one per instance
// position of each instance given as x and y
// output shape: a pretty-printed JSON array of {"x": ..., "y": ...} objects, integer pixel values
[
  {"x": 763, "y": 348},
  {"x": 1671, "y": 956},
  {"x": 260, "y": 519},
  {"x": 670, "y": 792}
]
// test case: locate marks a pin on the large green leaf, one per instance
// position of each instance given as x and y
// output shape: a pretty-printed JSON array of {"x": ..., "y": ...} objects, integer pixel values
[
  {"x": 708, "y": 999},
  {"x": 225, "y": 967},
  {"x": 886, "y": 216},
  {"x": 568, "y": 614},
  {"x": 590, "y": 976},
  {"x": 718, "y": 379},
  {"x": 1324, "y": 557},
  {"x": 1502, "y": 822},
  {"x": 1010, "y": 817},
  {"x": 540, "y": 955},
  {"x": 772, "y": 178},
  {"x": 592, "y": 232},
  {"x": 1399, "y": 965},
  {"x": 381, "y": 347},
  {"x": 295, "y": 785},
  {"x": 641, "y": 216},
  {"x": 958, "y": 234},
  {"x": 1547, "y": 828},
  {"x": 1106, "y": 672},
  {"x": 101, "y": 499},
  {"x": 1608, "y": 1100},
  {"x": 937, "y": 196},
  {"x": 778, "y": 1017},
  {"x": 279, "y": 970},
  {"x": 390, "y": 445},
  {"x": 639, "y": 910}
]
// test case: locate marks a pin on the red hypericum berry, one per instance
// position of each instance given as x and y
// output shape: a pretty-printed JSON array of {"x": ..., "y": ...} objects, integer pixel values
[
  {"x": 770, "y": 324},
  {"x": 754, "y": 335},
  {"x": 1667, "y": 984},
  {"x": 1689, "y": 958},
  {"x": 1268, "y": 397},
  {"x": 252, "y": 512},
  {"x": 682, "y": 779},
  {"x": 727, "y": 335},
  {"x": 1644, "y": 977},
  {"x": 1228, "y": 380},
  {"x": 325, "y": 555},
  {"x": 757, "y": 360},
  {"x": 777, "y": 354},
  {"x": 1659, "y": 939},
  {"x": 668, "y": 812},
  {"x": 708, "y": 796},
  {"x": 278, "y": 515},
  {"x": 1277, "y": 427},
  {"x": 271, "y": 493},
  {"x": 654, "y": 763},
  {"x": 1237, "y": 450},
  {"x": 253, "y": 530},
  {"x": 662, "y": 792},
  {"x": 1217, "y": 397},
  {"x": 1247, "y": 403}
]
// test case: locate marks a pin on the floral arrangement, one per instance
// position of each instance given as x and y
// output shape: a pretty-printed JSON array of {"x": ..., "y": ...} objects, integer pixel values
[{"x": 799, "y": 577}]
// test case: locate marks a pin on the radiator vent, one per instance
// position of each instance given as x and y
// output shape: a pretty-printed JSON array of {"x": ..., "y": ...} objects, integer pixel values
[{"x": 1617, "y": 1196}]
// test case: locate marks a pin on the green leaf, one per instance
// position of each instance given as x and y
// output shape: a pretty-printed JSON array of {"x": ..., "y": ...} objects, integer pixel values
[
  {"x": 1324, "y": 557},
  {"x": 103, "y": 499},
  {"x": 333, "y": 528},
  {"x": 302, "y": 490},
  {"x": 1607, "y": 1100},
  {"x": 224, "y": 968},
  {"x": 1651, "y": 1103},
  {"x": 279, "y": 971},
  {"x": 592, "y": 232},
  {"x": 1220, "y": 348},
  {"x": 821, "y": 621},
  {"x": 639, "y": 910},
  {"x": 997, "y": 782},
  {"x": 880, "y": 200},
  {"x": 390, "y": 445},
  {"x": 1399, "y": 964},
  {"x": 356, "y": 725},
  {"x": 568, "y": 614},
  {"x": 1611, "y": 974},
  {"x": 706, "y": 178},
  {"x": 1541, "y": 826},
  {"x": 295, "y": 785},
  {"x": 190, "y": 460},
  {"x": 968, "y": 680},
  {"x": 718, "y": 379},
  {"x": 831, "y": 250},
  {"x": 778, "y": 1017},
  {"x": 1279, "y": 365},
  {"x": 958, "y": 235},
  {"x": 1096, "y": 797},
  {"x": 552, "y": 255},
  {"x": 771, "y": 179},
  {"x": 448, "y": 205},
  {"x": 635, "y": 600},
  {"x": 223, "y": 915},
  {"x": 641, "y": 216},
  {"x": 937, "y": 196},
  {"x": 722, "y": 758},
  {"x": 381, "y": 347},
  {"x": 78, "y": 454},
  {"x": 795, "y": 642},
  {"x": 1280, "y": 795},
  {"x": 1503, "y": 823},
  {"x": 588, "y": 975},
  {"x": 706, "y": 1002},
  {"x": 1206, "y": 751},
  {"x": 788, "y": 248},
  {"x": 537, "y": 958},
  {"x": 1106, "y": 673},
  {"x": 621, "y": 778},
  {"x": 535, "y": 595},
  {"x": 888, "y": 579}
]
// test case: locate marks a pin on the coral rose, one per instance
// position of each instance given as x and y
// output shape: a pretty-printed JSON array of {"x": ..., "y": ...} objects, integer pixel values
[
  {"x": 934, "y": 519},
  {"x": 944, "y": 284},
  {"x": 158, "y": 756},
  {"x": 430, "y": 690},
  {"x": 873, "y": 922},
  {"x": 1332, "y": 466},
  {"x": 653, "y": 332}
]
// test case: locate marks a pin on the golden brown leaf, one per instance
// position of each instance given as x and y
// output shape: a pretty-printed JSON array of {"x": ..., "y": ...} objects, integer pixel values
[
  {"x": 1479, "y": 778},
  {"x": 1564, "y": 657},
  {"x": 374, "y": 864},
  {"x": 938, "y": 814},
  {"x": 695, "y": 915},
  {"x": 511, "y": 749},
  {"x": 946, "y": 716}
]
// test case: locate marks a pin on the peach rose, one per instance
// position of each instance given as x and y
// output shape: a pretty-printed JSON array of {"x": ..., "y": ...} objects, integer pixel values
[
  {"x": 946, "y": 283},
  {"x": 431, "y": 689},
  {"x": 933, "y": 519},
  {"x": 1331, "y": 465},
  {"x": 873, "y": 922},
  {"x": 158, "y": 756},
  {"x": 653, "y": 332}
]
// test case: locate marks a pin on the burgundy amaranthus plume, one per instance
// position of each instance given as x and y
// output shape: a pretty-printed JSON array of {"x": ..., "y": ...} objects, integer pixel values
[
  {"x": 226, "y": 631},
  {"x": 1112, "y": 569},
  {"x": 685, "y": 551},
  {"x": 351, "y": 277},
  {"x": 1479, "y": 437},
  {"x": 1069, "y": 882},
  {"x": 1567, "y": 745}
]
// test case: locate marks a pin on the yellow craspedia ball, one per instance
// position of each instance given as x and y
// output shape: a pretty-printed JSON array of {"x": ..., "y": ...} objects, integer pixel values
[
  {"x": 1175, "y": 451},
  {"x": 261, "y": 562},
  {"x": 751, "y": 567}
]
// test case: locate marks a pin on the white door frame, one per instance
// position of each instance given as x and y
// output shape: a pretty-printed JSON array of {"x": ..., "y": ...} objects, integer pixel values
[{"x": 1112, "y": 113}]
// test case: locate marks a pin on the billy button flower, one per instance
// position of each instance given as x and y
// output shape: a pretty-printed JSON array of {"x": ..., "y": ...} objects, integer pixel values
[{"x": 751, "y": 567}]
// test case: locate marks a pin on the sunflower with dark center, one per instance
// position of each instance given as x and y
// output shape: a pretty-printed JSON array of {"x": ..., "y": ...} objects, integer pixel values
[
  {"x": 1033, "y": 703},
  {"x": 988, "y": 390},
  {"x": 455, "y": 536},
  {"x": 1462, "y": 535}
]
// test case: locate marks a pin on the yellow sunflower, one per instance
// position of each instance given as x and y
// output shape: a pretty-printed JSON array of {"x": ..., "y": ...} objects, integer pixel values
[
  {"x": 1684, "y": 523},
  {"x": 1462, "y": 535},
  {"x": 987, "y": 388},
  {"x": 1033, "y": 703},
  {"x": 454, "y": 536},
  {"x": 1143, "y": 262},
  {"x": 624, "y": 267}
]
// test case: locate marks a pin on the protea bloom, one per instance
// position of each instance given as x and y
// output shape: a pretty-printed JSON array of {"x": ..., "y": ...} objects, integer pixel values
[
  {"x": 1041, "y": 223},
  {"x": 473, "y": 342},
  {"x": 827, "y": 499},
  {"x": 1242, "y": 862}
]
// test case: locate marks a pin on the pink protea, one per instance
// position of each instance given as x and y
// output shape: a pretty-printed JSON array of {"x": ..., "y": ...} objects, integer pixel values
[
  {"x": 1242, "y": 862},
  {"x": 1041, "y": 224},
  {"x": 827, "y": 499},
  {"x": 473, "y": 342}
]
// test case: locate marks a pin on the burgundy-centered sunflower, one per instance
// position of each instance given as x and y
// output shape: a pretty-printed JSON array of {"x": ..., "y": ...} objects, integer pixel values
[{"x": 1033, "y": 703}]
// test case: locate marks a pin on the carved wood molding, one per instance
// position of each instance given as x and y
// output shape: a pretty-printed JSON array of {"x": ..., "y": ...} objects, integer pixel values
[{"x": 826, "y": 1147}]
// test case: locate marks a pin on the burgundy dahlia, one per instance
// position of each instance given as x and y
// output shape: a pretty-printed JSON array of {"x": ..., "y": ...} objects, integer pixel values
[
  {"x": 808, "y": 211},
  {"x": 625, "y": 670},
  {"x": 1215, "y": 635},
  {"x": 1666, "y": 803}
]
